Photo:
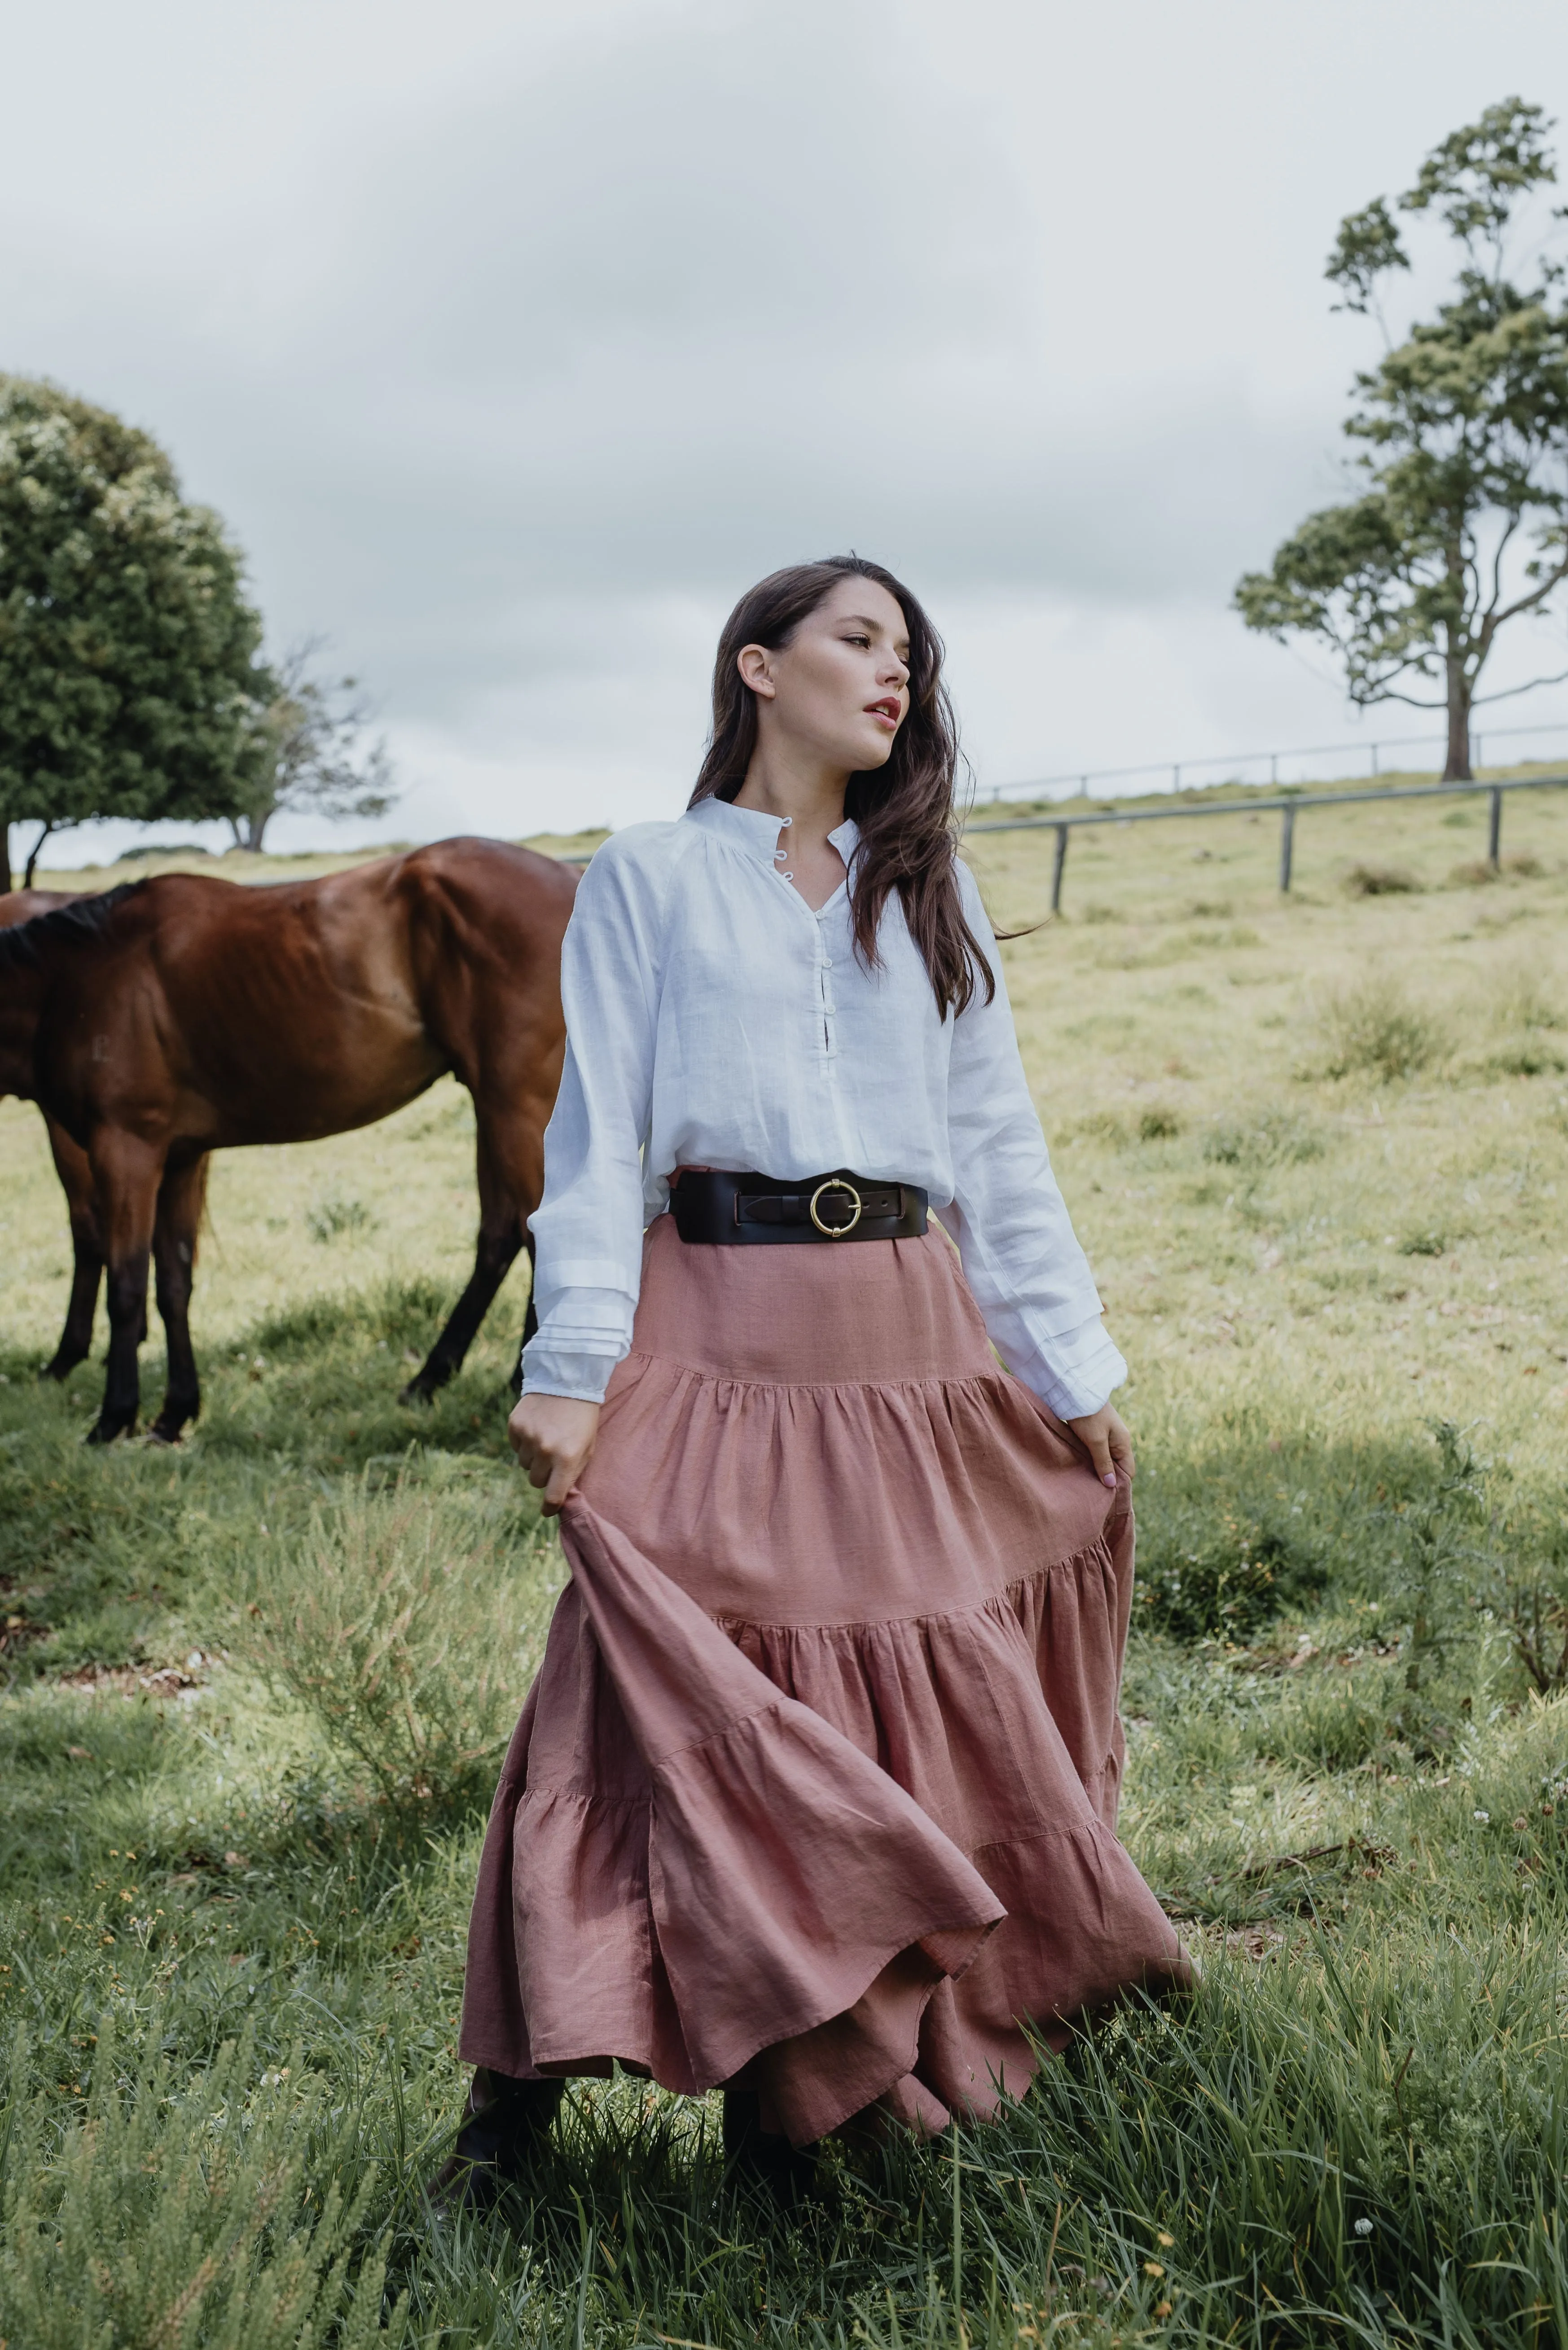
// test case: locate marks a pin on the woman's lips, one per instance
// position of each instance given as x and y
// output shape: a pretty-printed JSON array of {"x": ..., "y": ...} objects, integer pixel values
[{"x": 888, "y": 712}]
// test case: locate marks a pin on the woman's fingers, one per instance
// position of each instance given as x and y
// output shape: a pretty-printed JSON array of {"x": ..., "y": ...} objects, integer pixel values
[
  {"x": 1105, "y": 1437},
  {"x": 564, "y": 1475},
  {"x": 553, "y": 1437},
  {"x": 564, "y": 1469}
]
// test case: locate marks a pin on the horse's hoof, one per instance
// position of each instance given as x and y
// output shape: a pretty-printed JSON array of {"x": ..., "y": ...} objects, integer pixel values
[
  {"x": 418, "y": 1392},
  {"x": 108, "y": 1432},
  {"x": 158, "y": 1435}
]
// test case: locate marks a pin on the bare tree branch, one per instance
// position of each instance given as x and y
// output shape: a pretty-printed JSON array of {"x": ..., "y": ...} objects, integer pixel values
[{"x": 315, "y": 757}]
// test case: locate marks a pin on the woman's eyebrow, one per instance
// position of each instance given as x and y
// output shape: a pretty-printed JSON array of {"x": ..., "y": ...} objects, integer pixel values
[{"x": 864, "y": 620}]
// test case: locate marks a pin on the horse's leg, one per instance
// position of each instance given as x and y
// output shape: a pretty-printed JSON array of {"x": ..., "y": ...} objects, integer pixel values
[
  {"x": 127, "y": 1172},
  {"x": 180, "y": 1202},
  {"x": 75, "y": 1172},
  {"x": 506, "y": 1199}
]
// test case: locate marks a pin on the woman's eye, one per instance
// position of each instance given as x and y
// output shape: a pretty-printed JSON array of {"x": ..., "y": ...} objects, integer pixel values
[{"x": 858, "y": 640}]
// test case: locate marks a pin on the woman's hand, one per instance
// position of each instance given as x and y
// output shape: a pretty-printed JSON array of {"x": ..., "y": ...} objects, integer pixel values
[
  {"x": 553, "y": 1437},
  {"x": 1105, "y": 1437}
]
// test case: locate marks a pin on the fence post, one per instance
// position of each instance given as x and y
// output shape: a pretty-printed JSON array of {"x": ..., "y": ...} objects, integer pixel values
[
  {"x": 1494, "y": 825},
  {"x": 1287, "y": 844},
  {"x": 1375, "y": 750},
  {"x": 1056, "y": 868}
]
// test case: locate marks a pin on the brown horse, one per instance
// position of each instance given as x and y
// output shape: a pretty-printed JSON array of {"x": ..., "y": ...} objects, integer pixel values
[
  {"x": 72, "y": 1165},
  {"x": 184, "y": 1014}
]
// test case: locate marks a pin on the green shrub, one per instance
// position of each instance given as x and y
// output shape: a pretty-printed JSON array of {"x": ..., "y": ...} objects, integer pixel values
[
  {"x": 1528, "y": 1060},
  {"x": 1523, "y": 996},
  {"x": 1270, "y": 1137},
  {"x": 1528, "y": 1589},
  {"x": 410, "y": 1624},
  {"x": 1099, "y": 1126},
  {"x": 1202, "y": 1573},
  {"x": 1158, "y": 1123},
  {"x": 158, "y": 2218},
  {"x": 333, "y": 1215},
  {"x": 1371, "y": 1029}
]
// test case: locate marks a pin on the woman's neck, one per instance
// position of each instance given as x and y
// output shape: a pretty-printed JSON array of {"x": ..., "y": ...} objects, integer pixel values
[
  {"x": 807, "y": 800},
  {"x": 809, "y": 795}
]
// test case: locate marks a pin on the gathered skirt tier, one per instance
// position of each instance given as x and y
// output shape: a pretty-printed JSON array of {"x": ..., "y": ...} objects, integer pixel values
[{"x": 815, "y": 1791}]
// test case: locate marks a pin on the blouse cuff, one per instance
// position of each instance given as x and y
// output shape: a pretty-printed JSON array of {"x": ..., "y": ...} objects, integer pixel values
[
  {"x": 1084, "y": 1369},
  {"x": 567, "y": 1371},
  {"x": 583, "y": 1334}
]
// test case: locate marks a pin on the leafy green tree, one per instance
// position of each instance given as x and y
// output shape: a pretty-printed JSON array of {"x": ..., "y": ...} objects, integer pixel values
[
  {"x": 1461, "y": 523},
  {"x": 129, "y": 672},
  {"x": 314, "y": 754}
]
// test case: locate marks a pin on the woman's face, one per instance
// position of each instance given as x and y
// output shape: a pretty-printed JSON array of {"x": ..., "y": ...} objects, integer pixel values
[{"x": 840, "y": 688}]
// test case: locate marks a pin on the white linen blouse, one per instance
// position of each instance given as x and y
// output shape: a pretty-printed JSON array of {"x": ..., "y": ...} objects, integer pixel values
[{"x": 714, "y": 1020}]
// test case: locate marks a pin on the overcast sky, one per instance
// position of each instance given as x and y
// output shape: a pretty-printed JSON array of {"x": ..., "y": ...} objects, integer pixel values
[{"x": 514, "y": 341}]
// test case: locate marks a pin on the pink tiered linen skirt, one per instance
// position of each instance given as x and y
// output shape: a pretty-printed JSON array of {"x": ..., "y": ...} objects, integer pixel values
[{"x": 815, "y": 1791}]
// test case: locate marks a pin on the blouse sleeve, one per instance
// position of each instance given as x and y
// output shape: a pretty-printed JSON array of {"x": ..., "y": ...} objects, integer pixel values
[
  {"x": 588, "y": 1230},
  {"x": 1020, "y": 1255}
]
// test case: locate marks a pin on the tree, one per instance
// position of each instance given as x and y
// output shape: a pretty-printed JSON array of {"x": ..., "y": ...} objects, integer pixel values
[
  {"x": 129, "y": 676},
  {"x": 312, "y": 754},
  {"x": 1461, "y": 525}
]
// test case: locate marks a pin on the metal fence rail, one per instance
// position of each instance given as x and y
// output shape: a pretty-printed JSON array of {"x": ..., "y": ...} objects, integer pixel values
[
  {"x": 1229, "y": 763},
  {"x": 1288, "y": 808}
]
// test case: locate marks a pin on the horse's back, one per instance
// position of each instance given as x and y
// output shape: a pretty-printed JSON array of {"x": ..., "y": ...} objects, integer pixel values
[
  {"x": 493, "y": 882},
  {"x": 21, "y": 905}
]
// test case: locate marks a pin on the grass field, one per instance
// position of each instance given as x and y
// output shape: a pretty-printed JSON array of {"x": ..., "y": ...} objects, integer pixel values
[{"x": 1319, "y": 1153}]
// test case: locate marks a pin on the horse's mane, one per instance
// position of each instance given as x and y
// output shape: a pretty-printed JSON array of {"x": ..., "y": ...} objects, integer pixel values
[{"x": 76, "y": 925}]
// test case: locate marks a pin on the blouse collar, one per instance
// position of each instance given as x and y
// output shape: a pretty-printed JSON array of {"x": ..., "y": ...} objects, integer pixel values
[{"x": 756, "y": 833}]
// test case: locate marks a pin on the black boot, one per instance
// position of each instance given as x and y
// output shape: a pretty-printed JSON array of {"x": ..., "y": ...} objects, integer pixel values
[
  {"x": 506, "y": 2121},
  {"x": 757, "y": 2158}
]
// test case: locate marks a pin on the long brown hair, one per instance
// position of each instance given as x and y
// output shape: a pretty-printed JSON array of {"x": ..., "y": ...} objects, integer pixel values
[{"x": 908, "y": 827}]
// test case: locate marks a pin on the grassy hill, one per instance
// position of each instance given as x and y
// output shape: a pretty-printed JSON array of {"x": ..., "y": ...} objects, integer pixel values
[{"x": 1318, "y": 1151}]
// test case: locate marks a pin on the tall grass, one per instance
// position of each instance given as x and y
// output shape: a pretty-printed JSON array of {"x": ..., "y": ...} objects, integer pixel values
[
  {"x": 167, "y": 2212},
  {"x": 1372, "y": 1027},
  {"x": 407, "y": 1626}
]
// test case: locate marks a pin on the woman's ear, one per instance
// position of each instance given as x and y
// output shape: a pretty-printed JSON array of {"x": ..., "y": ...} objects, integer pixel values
[{"x": 755, "y": 668}]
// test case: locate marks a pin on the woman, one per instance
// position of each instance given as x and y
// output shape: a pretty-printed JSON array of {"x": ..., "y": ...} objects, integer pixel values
[{"x": 814, "y": 1795}]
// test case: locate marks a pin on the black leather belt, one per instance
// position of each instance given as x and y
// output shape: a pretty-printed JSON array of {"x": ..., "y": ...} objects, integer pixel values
[{"x": 709, "y": 1204}]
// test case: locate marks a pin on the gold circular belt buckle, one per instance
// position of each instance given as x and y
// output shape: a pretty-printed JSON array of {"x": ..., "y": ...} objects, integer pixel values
[{"x": 835, "y": 1183}]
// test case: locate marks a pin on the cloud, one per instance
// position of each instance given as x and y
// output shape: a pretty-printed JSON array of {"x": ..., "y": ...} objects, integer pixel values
[{"x": 515, "y": 342}]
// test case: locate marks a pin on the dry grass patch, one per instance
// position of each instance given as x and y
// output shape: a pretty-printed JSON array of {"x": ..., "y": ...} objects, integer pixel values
[
  {"x": 1371, "y": 1027},
  {"x": 1380, "y": 881}
]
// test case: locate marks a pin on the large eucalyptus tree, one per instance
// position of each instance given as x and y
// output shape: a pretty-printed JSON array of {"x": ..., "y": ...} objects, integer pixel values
[{"x": 1459, "y": 526}]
